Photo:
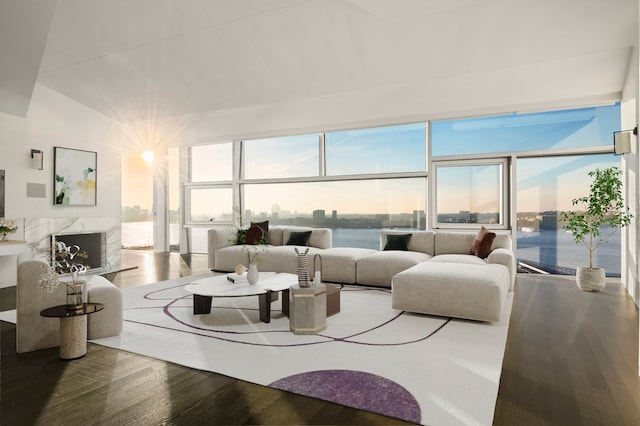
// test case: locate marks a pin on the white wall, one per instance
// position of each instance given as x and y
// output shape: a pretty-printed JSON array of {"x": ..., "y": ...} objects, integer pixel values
[
  {"x": 630, "y": 164},
  {"x": 54, "y": 120}
]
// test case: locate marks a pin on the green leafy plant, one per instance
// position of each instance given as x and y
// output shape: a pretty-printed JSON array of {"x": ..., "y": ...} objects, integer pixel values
[{"x": 603, "y": 206}]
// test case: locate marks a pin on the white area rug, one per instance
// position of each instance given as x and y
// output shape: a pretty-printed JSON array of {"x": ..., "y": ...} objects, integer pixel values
[{"x": 424, "y": 369}]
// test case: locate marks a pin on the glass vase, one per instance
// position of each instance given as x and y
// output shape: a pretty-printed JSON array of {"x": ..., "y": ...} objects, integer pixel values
[{"x": 74, "y": 296}]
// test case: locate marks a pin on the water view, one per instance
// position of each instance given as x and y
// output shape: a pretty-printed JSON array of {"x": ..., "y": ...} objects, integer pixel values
[{"x": 550, "y": 250}]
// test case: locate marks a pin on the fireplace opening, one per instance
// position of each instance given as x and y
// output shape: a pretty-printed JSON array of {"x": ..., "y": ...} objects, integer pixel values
[{"x": 94, "y": 244}]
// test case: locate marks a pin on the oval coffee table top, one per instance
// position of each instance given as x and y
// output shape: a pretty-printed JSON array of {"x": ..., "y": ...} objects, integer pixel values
[{"x": 220, "y": 286}]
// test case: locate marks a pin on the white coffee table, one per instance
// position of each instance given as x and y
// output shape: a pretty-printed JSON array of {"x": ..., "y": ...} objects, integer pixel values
[{"x": 204, "y": 290}]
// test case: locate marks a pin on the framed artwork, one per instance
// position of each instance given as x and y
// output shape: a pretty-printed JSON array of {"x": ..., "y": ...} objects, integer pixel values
[{"x": 74, "y": 177}]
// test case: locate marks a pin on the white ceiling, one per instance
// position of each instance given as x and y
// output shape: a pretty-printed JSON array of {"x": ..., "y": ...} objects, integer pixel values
[{"x": 136, "y": 59}]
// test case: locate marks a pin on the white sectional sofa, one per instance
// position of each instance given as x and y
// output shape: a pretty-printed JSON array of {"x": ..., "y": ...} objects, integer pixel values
[{"x": 436, "y": 274}]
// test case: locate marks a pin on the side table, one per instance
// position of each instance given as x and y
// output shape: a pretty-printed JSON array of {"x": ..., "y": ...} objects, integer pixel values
[
  {"x": 308, "y": 309},
  {"x": 73, "y": 328}
]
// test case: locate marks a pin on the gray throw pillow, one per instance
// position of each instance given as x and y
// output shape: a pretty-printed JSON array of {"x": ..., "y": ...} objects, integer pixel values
[
  {"x": 299, "y": 238},
  {"x": 398, "y": 242}
]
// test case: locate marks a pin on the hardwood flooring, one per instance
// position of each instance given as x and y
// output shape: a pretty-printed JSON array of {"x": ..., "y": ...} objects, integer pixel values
[{"x": 571, "y": 358}]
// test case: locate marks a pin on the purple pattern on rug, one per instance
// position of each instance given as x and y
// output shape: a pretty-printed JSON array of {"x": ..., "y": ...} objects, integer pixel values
[
  {"x": 355, "y": 389},
  {"x": 323, "y": 338}
]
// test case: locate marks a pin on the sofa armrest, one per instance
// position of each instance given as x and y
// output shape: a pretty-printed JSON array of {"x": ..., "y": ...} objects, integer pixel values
[
  {"x": 506, "y": 257},
  {"x": 217, "y": 238}
]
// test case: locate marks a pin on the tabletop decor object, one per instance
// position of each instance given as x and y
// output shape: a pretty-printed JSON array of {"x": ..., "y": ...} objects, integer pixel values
[
  {"x": 63, "y": 265},
  {"x": 303, "y": 268}
]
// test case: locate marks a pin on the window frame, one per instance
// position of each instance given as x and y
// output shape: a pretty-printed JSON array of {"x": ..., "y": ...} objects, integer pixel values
[{"x": 504, "y": 188}]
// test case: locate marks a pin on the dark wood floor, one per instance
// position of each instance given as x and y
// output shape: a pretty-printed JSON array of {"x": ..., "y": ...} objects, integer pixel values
[{"x": 571, "y": 359}]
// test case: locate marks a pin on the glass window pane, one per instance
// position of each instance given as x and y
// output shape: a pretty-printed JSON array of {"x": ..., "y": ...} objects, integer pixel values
[
  {"x": 583, "y": 127},
  {"x": 377, "y": 150},
  {"x": 210, "y": 205},
  {"x": 469, "y": 194},
  {"x": 211, "y": 162},
  {"x": 198, "y": 239},
  {"x": 173, "y": 195},
  {"x": 546, "y": 187},
  {"x": 293, "y": 156},
  {"x": 354, "y": 210},
  {"x": 137, "y": 201}
]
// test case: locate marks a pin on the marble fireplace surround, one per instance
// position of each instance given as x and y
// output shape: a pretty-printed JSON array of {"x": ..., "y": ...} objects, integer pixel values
[{"x": 38, "y": 230}]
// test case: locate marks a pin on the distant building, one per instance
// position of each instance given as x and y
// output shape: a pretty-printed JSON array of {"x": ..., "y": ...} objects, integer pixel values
[
  {"x": 318, "y": 215},
  {"x": 549, "y": 220}
]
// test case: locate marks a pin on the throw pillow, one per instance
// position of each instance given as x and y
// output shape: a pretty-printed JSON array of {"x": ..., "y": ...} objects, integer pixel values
[
  {"x": 255, "y": 235},
  {"x": 484, "y": 248},
  {"x": 476, "y": 242},
  {"x": 397, "y": 242},
  {"x": 299, "y": 238},
  {"x": 265, "y": 228}
]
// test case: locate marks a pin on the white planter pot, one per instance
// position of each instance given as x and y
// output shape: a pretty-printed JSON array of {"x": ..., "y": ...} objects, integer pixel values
[{"x": 590, "y": 279}]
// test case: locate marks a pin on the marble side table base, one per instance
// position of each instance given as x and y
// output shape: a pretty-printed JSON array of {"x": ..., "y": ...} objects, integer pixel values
[
  {"x": 73, "y": 337},
  {"x": 308, "y": 309},
  {"x": 73, "y": 327}
]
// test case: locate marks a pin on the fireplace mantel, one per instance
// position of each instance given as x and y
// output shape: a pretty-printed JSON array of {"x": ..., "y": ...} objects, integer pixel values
[{"x": 38, "y": 231}]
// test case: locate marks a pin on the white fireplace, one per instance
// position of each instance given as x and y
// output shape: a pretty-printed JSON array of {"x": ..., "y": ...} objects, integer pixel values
[{"x": 100, "y": 235}]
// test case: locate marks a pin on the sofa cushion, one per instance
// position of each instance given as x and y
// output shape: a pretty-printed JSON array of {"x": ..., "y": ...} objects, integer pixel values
[
  {"x": 299, "y": 238},
  {"x": 339, "y": 263},
  {"x": 276, "y": 236},
  {"x": 458, "y": 258},
  {"x": 398, "y": 242},
  {"x": 284, "y": 259},
  {"x": 476, "y": 292},
  {"x": 227, "y": 258},
  {"x": 453, "y": 242},
  {"x": 378, "y": 268}
]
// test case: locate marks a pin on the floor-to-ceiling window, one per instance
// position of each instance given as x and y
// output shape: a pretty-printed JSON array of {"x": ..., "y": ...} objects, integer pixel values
[
  {"x": 209, "y": 194},
  {"x": 551, "y": 154},
  {"x": 137, "y": 200},
  {"x": 355, "y": 182},
  {"x": 546, "y": 187},
  {"x": 513, "y": 173}
]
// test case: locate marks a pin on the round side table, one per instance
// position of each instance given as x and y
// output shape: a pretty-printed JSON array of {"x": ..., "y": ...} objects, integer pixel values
[{"x": 73, "y": 328}]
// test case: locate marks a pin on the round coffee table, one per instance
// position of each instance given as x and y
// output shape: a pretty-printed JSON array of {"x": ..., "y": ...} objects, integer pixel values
[
  {"x": 73, "y": 328},
  {"x": 204, "y": 290}
]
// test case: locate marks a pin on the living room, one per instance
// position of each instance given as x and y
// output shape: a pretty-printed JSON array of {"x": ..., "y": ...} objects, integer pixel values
[{"x": 119, "y": 79}]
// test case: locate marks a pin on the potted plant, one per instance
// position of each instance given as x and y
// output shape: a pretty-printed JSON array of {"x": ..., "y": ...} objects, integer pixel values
[
  {"x": 603, "y": 206},
  {"x": 7, "y": 227}
]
